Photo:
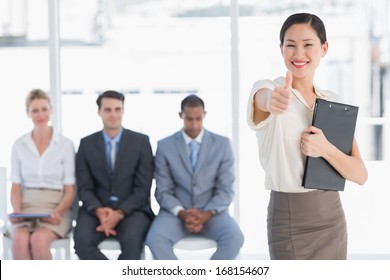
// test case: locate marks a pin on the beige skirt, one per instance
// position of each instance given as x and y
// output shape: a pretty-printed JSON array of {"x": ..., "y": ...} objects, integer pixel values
[
  {"x": 43, "y": 201},
  {"x": 306, "y": 226}
]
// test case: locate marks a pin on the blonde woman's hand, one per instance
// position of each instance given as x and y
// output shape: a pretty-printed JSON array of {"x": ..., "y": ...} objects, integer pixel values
[
  {"x": 55, "y": 218},
  {"x": 16, "y": 220}
]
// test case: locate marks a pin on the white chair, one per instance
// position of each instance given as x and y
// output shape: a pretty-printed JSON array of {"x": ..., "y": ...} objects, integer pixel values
[
  {"x": 195, "y": 242},
  {"x": 110, "y": 244},
  {"x": 113, "y": 245},
  {"x": 60, "y": 248}
]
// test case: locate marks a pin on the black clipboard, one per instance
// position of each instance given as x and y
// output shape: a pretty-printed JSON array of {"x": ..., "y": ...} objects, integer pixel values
[{"x": 337, "y": 121}]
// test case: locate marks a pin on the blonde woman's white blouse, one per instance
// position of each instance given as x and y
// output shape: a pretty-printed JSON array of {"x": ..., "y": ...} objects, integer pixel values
[
  {"x": 279, "y": 138},
  {"x": 53, "y": 169}
]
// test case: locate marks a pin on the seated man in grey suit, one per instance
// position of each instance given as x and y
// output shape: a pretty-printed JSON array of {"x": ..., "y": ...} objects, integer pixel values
[
  {"x": 114, "y": 173},
  {"x": 194, "y": 187}
]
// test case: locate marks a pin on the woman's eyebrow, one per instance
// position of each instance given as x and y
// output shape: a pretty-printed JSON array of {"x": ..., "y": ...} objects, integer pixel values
[{"x": 305, "y": 40}]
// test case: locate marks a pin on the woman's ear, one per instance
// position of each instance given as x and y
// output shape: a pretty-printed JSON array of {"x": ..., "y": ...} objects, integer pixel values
[{"x": 325, "y": 47}]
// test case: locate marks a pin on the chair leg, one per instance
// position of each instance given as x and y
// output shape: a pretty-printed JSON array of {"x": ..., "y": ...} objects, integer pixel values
[
  {"x": 67, "y": 253},
  {"x": 7, "y": 249},
  {"x": 142, "y": 257},
  {"x": 56, "y": 253}
]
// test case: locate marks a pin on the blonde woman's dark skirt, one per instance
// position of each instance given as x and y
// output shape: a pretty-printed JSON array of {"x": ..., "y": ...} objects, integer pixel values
[{"x": 306, "y": 226}]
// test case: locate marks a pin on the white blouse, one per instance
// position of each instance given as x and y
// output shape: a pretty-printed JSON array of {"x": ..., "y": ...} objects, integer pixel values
[
  {"x": 279, "y": 138},
  {"x": 53, "y": 169}
]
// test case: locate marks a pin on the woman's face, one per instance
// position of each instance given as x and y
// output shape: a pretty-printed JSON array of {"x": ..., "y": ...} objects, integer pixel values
[
  {"x": 39, "y": 111},
  {"x": 302, "y": 50}
]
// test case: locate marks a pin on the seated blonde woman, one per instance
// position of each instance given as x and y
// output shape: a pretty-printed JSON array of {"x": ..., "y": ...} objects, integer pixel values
[{"x": 43, "y": 181}]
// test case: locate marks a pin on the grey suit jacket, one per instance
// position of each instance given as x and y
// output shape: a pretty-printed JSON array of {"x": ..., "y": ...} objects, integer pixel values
[
  {"x": 132, "y": 177},
  {"x": 208, "y": 187}
]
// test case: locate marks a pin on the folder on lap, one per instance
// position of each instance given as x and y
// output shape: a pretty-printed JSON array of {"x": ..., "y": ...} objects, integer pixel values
[
  {"x": 29, "y": 216},
  {"x": 337, "y": 121}
]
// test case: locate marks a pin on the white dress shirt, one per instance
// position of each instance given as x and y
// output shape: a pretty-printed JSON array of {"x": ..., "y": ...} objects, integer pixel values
[
  {"x": 188, "y": 139},
  {"x": 53, "y": 169},
  {"x": 279, "y": 138}
]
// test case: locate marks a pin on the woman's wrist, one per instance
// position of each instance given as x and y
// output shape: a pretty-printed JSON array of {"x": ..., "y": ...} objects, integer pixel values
[{"x": 59, "y": 211}]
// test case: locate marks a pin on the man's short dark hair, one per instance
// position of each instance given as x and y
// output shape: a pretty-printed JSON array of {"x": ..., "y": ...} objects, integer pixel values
[
  {"x": 110, "y": 94},
  {"x": 192, "y": 101}
]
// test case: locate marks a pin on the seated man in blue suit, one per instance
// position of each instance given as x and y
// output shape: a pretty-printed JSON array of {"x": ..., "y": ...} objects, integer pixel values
[
  {"x": 114, "y": 173},
  {"x": 194, "y": 187}
]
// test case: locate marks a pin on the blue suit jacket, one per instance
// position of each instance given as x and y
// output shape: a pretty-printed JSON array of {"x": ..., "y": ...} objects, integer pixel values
[{"x": 208, "y": 187}]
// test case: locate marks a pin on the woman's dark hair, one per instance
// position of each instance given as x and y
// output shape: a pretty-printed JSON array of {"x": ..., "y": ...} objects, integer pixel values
[
  {"x": 110, "y": 94},
  {"x": 314, "y": 21},
  {"x": 192, "y": 101}
]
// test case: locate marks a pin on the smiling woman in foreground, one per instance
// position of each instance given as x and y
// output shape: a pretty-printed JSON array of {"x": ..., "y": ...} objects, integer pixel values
[{"x": 302, "y": 223}]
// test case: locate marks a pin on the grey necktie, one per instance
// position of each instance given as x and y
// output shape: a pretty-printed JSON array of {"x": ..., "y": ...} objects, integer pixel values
[
  {"x": 194, "y": 146},
  {"x": 112, "y": 153}
]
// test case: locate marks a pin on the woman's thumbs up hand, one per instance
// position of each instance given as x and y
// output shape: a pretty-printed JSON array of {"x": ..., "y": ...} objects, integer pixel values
[{"x": 279, "y": 100}]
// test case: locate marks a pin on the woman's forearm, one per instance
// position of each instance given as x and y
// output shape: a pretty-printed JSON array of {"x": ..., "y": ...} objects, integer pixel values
[
  {"x": 67, "y": 199},
  {"x": 351, "y": 167},
  {"x": 16, "y": 198}
]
